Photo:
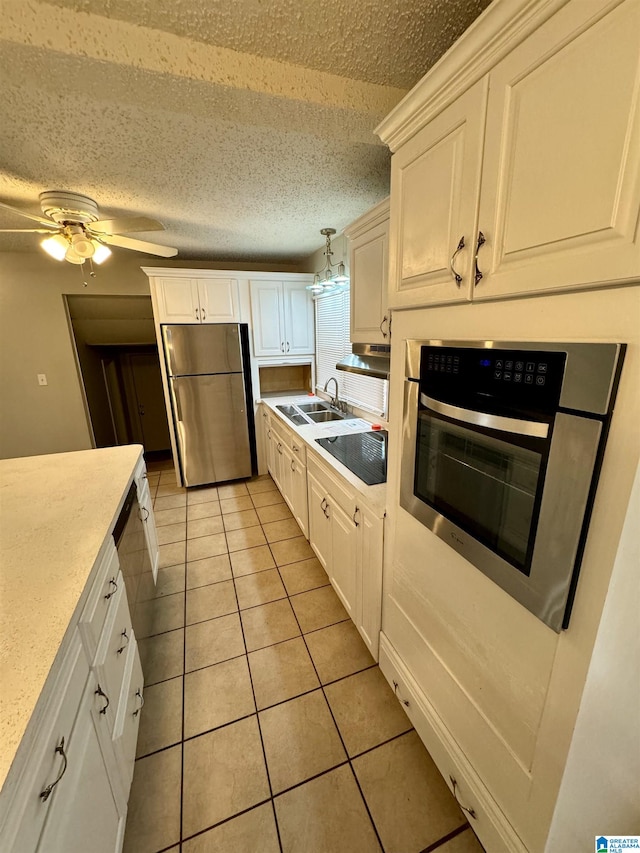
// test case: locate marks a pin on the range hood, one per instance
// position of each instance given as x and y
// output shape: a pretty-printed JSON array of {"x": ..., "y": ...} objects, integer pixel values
[{"x": 368, "y": 360}]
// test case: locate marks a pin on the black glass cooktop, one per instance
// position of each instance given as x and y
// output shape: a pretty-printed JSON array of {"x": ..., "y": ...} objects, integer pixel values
[{"x": 364, "y": 453}]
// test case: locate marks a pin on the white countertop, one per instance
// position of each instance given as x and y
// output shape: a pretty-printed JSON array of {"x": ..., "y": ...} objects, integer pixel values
[
  {"x": 375, "y": 496},
  {"x": 55, "y": 514}
]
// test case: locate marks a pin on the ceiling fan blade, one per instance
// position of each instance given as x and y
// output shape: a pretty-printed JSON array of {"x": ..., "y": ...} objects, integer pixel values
[
  {"x": 139, "y": 246},
  {"x": 25, "y": 231},
  {"x": 48, "y": 222},
  {"x": 125, "y": 225}
]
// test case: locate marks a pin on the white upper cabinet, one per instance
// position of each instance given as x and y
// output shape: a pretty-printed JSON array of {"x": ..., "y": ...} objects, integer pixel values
[
  {"x": 560, "y": 190},
  {"x": 368, "y": 270},
  {"x": 282, "y": 318},
  {"x": 529, "y": 180},
  {"x": 195, "y": 300},
  {"x": 435, "y": 180}
]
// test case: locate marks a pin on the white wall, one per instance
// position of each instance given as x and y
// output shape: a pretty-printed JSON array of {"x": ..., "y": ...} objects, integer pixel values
[{"x": 35, "y": 338}]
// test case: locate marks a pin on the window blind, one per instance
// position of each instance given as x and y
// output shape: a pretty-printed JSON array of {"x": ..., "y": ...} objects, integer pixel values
[{"x": 332, "y": 344}]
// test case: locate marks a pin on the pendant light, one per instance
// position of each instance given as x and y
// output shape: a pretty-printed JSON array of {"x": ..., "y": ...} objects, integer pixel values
[{"x": 327, "y": 279}]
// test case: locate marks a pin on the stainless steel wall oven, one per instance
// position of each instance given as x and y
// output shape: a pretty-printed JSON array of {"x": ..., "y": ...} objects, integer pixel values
[{"x": 503, "y": 443}]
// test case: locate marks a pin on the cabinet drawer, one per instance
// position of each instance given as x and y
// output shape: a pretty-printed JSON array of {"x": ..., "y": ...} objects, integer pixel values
[
  {"x": 340, "y": 493},
  {"x": 100, "y": 600},
  {"x": 45, "y": 764},
  {"x": 299, "y": 450},
  {"x": 125, "y": 733},
  {"x": 112, "y": 653}
]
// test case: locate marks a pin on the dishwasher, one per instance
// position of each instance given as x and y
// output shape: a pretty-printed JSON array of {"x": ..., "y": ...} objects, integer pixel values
[{"x": 135, "y": 564}]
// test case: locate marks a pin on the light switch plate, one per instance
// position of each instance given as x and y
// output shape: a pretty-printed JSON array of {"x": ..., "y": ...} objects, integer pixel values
[{"x": 42, "y": 379}]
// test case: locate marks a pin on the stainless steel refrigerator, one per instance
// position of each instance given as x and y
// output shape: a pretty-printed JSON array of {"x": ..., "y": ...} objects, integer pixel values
[{"x": 210, "y": 387}]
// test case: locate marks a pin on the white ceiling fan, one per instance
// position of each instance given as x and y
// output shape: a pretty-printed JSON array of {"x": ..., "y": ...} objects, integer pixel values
[{"x": 76, "y": 234}]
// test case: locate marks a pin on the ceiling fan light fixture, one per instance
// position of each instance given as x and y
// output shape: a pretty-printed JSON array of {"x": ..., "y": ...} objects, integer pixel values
[
  {"x": 73, "y": 257},
  {"x": 101, "y": 253},
  {"x": 83, "y": 245},
  {"x": 55, "y": 246}
]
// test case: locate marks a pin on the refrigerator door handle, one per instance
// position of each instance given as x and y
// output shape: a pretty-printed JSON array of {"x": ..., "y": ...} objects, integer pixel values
[{"x": 176, "y": 397}]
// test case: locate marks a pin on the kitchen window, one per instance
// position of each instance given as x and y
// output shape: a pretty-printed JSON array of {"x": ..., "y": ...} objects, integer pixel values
[{"x": 333, "y": 344}]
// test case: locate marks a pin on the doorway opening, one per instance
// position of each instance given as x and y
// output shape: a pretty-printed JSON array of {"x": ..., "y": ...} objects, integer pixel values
[{"x": 119, "y": 368}]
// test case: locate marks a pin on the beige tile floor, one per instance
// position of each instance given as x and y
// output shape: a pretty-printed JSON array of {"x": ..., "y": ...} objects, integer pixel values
[{"x": 267, "y": 725}]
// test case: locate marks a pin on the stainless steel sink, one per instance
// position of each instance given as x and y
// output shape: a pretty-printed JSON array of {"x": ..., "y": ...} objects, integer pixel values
[
  {"x": 314, "y": 407},
  {"x": 312, "y": 413},
  {"x": 326, "y": 415}
]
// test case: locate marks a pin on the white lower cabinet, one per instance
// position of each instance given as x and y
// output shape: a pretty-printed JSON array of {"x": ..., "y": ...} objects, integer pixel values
[
  {"x": 148, "y": 520},
  {"x": 70, "y": 785},
  {"x": 84, "y": 813},
  {"x": 347, "y": 537},
  {"x": 286, "y": 460}
]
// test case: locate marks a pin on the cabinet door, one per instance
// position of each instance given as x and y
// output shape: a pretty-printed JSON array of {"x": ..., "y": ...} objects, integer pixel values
[
  {"x": 299, "y": 327},
  {"x": 177, "y": 300},
  {"x": 368, "y": 270},
  {"x": 112, "y": 652},
  {"x": 83, "y": 814},
  {"x": 435, "y": 181},
  {"x": 266, "y": 313},
  {"x": 28, "y": 810},
  {"x": 130, "y": 706},
  {"x": 219, "y": 302},
  {"x": 150, "y": 532},
  {"x": 560, "y": 185},
  {"x": 342, "y": 569},
  {"x": 298, "y": 492},
  {"x": 319, "y": 521},
  {"x": 369, "y": 578}
]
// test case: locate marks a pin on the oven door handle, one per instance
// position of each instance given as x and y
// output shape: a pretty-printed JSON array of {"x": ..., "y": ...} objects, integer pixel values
[{"x": 499, "y": 422}]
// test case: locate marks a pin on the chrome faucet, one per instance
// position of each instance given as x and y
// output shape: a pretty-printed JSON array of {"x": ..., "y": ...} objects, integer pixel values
[{"x": 335, "y": 401}]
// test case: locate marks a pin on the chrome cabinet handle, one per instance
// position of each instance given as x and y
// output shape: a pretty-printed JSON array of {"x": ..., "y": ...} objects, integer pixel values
[
  {"x": 124, "y": 645},
  {"x": 293, "y": 465},
  {"x": 141, "y": 698},
  {"x": 204, "y": 314},
  {"x": 353, "y": 518},
  {"x": 481, "y": 241},
  {"x": 100, "y": 692},
  {"x": 288, "y": 346},
  {"x": 198, "y": 314},
  {"x": 281, "y": 346},
  {"x": 384, "y": 320},
  {"x": 469, "y": 811},
  {"x": 322, "y": 503},
  {"x": 269, "y": 433},
  {"x": 112, "y": 582},
  {"x": 327, "y": 507},
  {"x": 279, "y": 448},
  {"x": 46, "y": 793},
  {"x": 456, "y": 276}
]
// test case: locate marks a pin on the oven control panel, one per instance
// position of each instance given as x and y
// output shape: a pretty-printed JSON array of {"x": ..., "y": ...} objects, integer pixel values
[{"x": 503, "y": 380}]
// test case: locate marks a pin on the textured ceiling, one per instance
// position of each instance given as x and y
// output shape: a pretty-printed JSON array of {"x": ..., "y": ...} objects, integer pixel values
[{"x": 244, "y": 127}]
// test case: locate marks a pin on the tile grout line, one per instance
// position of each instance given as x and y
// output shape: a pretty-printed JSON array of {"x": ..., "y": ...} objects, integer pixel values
[
  {"x": 346, "y": 752},
  {"x": 255, "y": 703}
]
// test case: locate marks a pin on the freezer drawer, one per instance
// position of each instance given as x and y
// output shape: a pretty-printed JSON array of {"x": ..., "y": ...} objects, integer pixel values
[{"x": 212, "y": 427}]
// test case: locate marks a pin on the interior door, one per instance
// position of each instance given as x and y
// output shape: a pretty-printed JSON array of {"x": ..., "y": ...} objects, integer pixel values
[{"x": 152, "y": 413}]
